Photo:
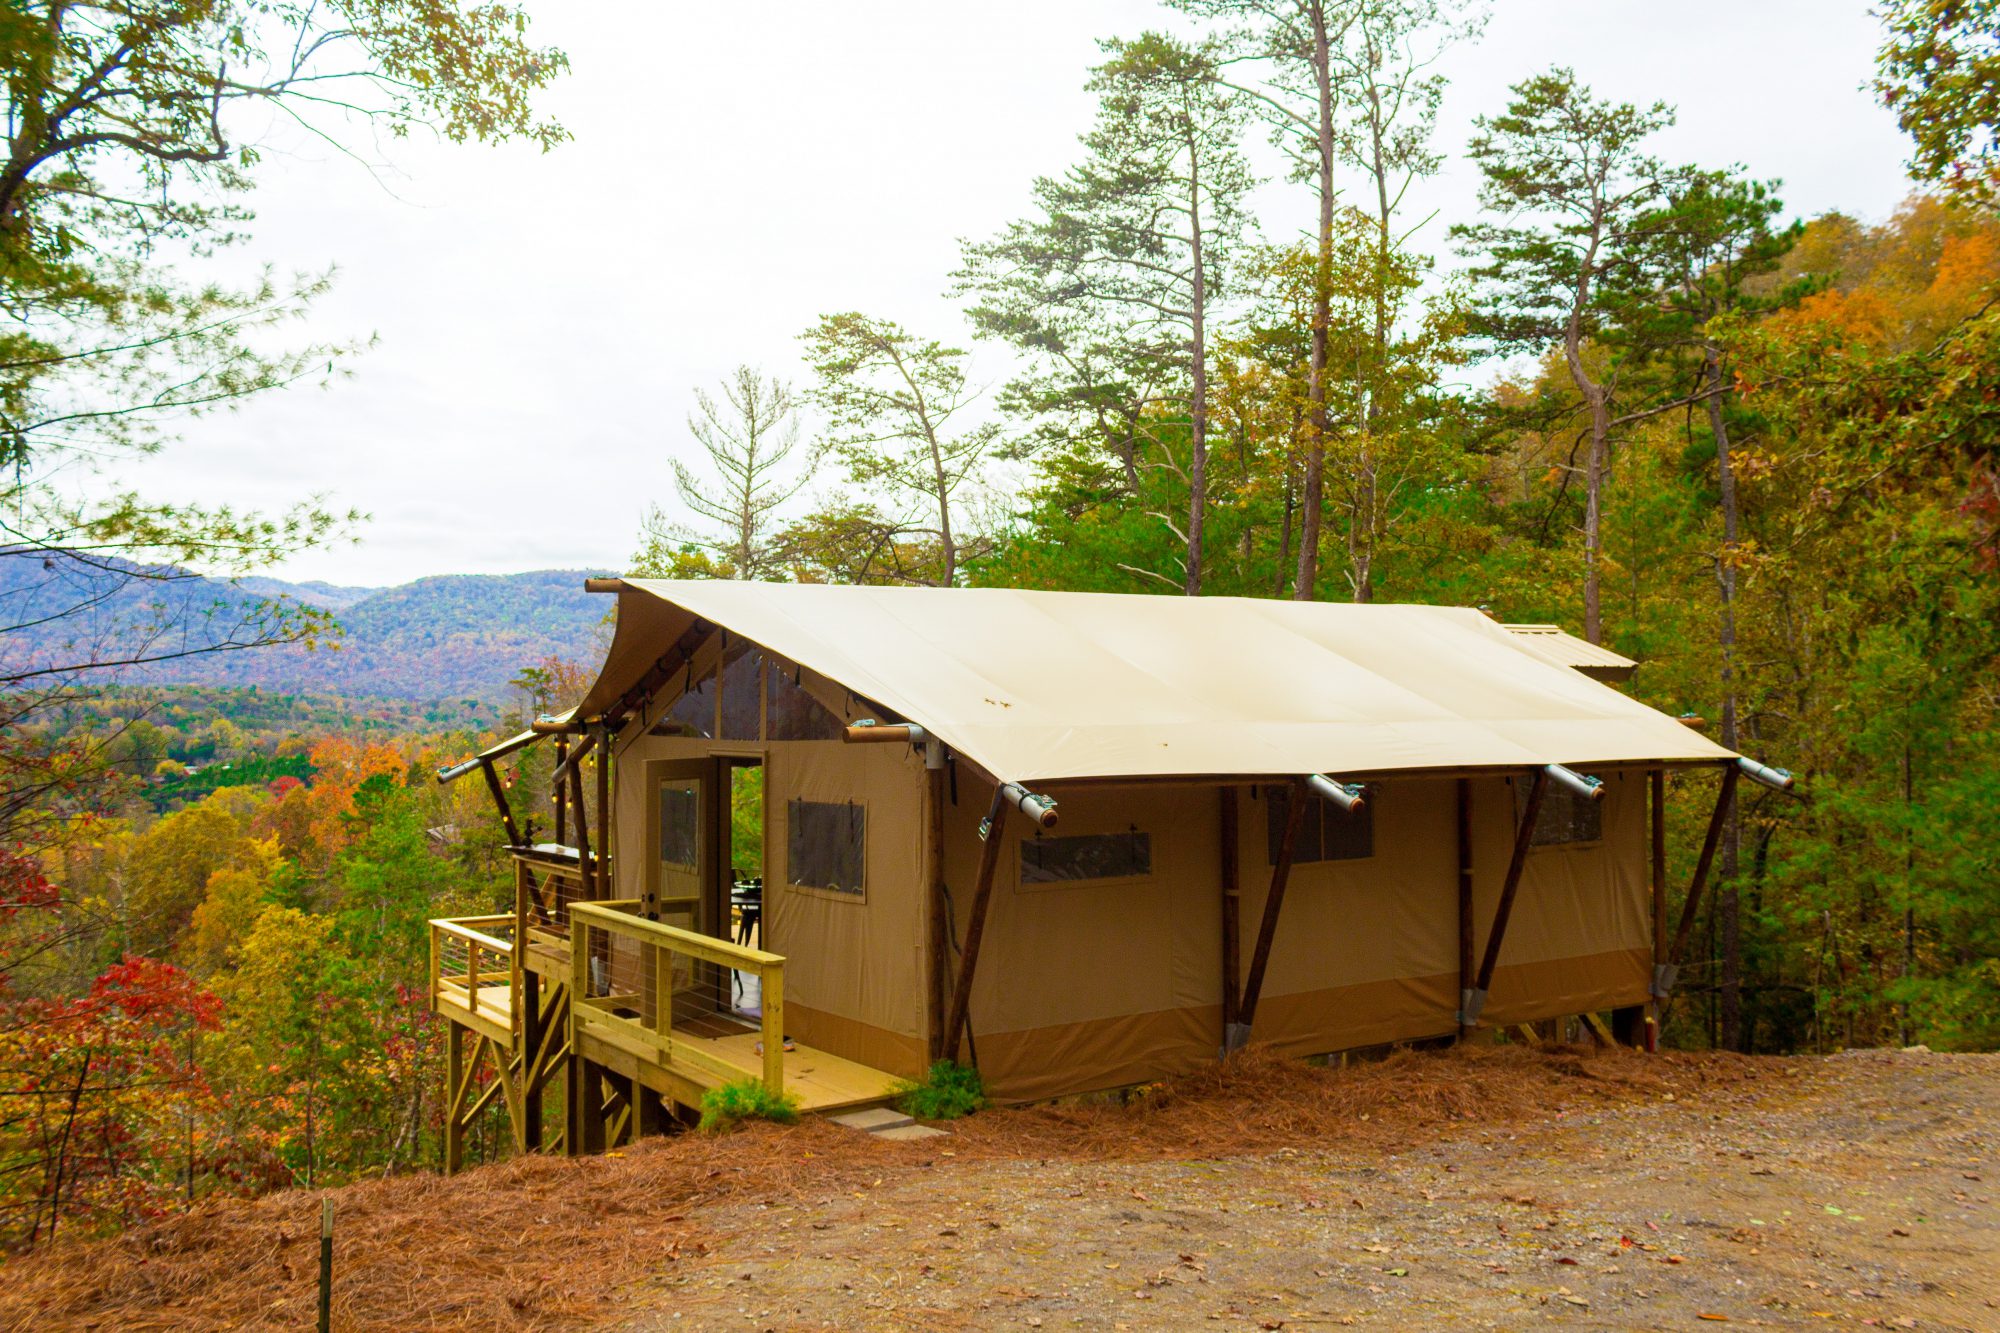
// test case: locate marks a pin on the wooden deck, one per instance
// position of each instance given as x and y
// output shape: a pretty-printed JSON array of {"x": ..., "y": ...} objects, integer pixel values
[{"x": 821, "y": 1080}]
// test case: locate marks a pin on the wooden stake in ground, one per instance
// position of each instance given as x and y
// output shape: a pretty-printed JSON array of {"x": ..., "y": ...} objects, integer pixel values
[{"x": 326, "y": 1264}]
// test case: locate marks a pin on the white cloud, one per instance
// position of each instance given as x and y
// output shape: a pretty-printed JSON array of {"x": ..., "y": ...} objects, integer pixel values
[{"x": 737, "y": 170}]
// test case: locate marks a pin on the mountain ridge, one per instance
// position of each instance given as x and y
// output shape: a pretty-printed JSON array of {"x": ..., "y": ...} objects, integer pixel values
[{"x": 445, "y": 636}]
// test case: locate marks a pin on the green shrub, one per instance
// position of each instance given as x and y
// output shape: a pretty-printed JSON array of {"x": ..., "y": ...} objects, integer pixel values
[
  {"x": 949, "y": 1091},
  {"x": 728, "y": 1106}
]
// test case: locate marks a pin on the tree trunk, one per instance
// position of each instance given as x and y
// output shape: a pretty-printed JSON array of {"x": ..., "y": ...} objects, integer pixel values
[
  {"x": 1311, "y": 499},
  {"x": 1593, "y": 511},
  {"x": 1367, "y": 521},
  {"x": 1198, "y": 407},
  {"x": 1728, "y": 901}
]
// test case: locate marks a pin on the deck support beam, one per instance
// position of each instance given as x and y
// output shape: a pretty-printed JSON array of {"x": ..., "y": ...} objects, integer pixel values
[
  {"x": 1524, "y": 839},
  {"x": 454, "y": 1086},
  {"x": 975, "y": 928},
  {"x": 1267, "y": 929}
]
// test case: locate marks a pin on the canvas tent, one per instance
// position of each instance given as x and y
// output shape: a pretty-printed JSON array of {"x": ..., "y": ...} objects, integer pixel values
[{"x": 1192, "y": 888}]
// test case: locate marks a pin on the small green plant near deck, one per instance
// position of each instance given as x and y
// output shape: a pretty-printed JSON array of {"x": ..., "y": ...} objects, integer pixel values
[
  {"x": 949, "y": 1091},
  {"x": 728, "y": 1106}
]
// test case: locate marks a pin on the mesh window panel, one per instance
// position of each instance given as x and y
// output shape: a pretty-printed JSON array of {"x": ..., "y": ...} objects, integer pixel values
[
  {"x": 742, "y": 716},
  {"x": 1565, "y": 817},
  {"x": 693, "y": 714},
  {"x": 677, "y": 825},
  {"x": 1086, "y": 856},
  {"x": 791, "y": 713},
  {"x": 1326, "y": 832},
  {"x": 824, "y": 844}
]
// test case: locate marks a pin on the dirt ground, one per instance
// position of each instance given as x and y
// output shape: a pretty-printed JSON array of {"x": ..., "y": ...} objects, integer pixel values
[
  {"x": 1482, "y": 1187},
  {"x": 1856, "y": 1190}
]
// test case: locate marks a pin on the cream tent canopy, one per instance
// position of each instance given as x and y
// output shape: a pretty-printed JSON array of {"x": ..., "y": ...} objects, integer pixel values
[{"x": 1048, "y": 686}]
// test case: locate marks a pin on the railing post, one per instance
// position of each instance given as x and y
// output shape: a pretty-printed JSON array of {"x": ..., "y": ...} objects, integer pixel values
[
  {"x": 771, "y": 985},
  {"x": 663, "y": 988},
  {"x": 472, "y": 975},
  {"x": 437, "y": 945}
]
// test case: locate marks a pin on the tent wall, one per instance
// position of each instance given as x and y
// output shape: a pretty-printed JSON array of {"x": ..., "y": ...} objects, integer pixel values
[
  {"x": 854, "y": 978},
  {"x": 1099, "y": 983},
  {"x": 1095, "y": 983}
]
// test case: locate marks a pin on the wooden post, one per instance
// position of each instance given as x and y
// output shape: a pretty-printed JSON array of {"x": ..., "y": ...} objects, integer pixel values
[
  {"x": 603, "y": 761},
  {"x": 1524, "y": 838},
  {"x": 1232, "y": 914},
  {"x": 533, "y": 1028},
  {"x": 1274, "y": 901},
  {"x": 975, "y": 928},
  {"x": 576, "y": 1069},
  {"x": 771, "y": 984},
  {"x": 454, "y": 1098},
  {"x": 326, "y": 1264},
  {"x": 1466, "y": 976},
  {"x": 940, "y": 937},
  {"x": 1723, "y": 800}
]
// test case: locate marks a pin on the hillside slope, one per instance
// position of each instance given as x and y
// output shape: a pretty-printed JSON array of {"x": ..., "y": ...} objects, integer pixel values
[{"x": 1490, "y": 1187}]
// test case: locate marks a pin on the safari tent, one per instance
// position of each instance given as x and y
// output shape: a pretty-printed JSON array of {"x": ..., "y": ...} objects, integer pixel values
[{"x": 1079, "y": 840}]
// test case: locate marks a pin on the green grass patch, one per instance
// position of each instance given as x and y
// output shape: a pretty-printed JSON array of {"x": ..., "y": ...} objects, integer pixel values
[
  {"x": 949, "y": 1091},
  {"x": 728, "y": 1106}
]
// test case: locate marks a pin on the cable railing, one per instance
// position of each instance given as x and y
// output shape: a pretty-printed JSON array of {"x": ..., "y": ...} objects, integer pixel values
[
  {"x": 683, "y": 995},
  {"x": 472, "y": 964}
]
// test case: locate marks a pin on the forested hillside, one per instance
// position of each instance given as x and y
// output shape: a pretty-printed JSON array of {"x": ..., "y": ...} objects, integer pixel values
[{"x": 459, "y": 636}]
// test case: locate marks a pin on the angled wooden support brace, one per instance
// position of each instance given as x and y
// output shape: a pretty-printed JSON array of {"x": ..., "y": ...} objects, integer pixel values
[
  {"x": 1669, "y": 971},
  {"x": 499, "y": 791},
  {"x": 586, "y": 865},
  {"x": 1267, "y": 929},
  {"x": 557, "y": 796},
  {"x": 1524, "y": 838},
  {"x": 975, "y": 929}
]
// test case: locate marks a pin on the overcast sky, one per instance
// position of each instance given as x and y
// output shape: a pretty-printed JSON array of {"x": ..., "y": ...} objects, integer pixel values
[{"x": 737, "y": 170}]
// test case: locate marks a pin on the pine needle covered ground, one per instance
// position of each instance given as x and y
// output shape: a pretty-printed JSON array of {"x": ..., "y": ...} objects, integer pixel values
[{"x": 1492, "y": 1183}]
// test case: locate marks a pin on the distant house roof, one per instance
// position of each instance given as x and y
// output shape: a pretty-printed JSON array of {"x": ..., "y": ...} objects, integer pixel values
[
  {"x": 1564, "y": 649},
  {"x": 1050, "y": 685}
]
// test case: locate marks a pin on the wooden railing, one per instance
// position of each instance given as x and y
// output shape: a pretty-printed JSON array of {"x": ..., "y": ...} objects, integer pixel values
[
  {"x": 659, "y": 948},
  {"x": 469, "y": 952}
]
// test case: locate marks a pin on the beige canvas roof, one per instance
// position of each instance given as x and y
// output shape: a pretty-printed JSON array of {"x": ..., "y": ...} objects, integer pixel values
[
  {"x": 1044, "y": 686},
  {"x": 1565, "y": 649}
]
